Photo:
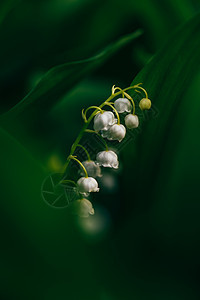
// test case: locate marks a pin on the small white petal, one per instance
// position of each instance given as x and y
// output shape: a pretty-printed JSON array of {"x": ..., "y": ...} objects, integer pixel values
[
  {"x": 131, "y": 121},
  {"x": 103, "y": 121},
  {"x": 92, "y": 169},
  {"x": 108, "y": 159},
  {"x": 87, "y": 185},
  {"x": 83, "y": 208},
  {"x": 115, "y": 132},
  {"x": 122, "y": 105}
]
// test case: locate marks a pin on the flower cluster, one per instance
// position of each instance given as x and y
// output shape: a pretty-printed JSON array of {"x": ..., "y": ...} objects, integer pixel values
[{"x": 107, "y": 125}]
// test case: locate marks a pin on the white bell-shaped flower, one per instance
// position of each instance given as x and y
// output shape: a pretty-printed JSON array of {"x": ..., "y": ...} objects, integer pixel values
[
  {"x": 108, "y": 159},
  {"x": 123, "y": 105},
  {"x": 87, "y": 185},
  {"x": 103, "y": 121},
  {"x": 83, "y": 208},
  {"x": 92, "y": 168},
  {"x": 115, "y": 132},
  {"x": 131, "y": 121}
]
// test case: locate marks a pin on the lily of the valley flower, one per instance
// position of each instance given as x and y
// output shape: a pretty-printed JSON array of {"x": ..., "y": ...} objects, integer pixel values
[
  {"x": 115, "y": 132},
  {"x": 145, "y": 103},
  {"x": 87, "y": 185},
  {"x": 122, "y": 105},
  {"x": 83, "y": 208},
  {"x": 103, "y": 121},
  {"x": 92, "y": 168},
  {"x": 106, "y": 124},
  {"x": 131, "y": 121},
  {"x": 107, "y": 159}
]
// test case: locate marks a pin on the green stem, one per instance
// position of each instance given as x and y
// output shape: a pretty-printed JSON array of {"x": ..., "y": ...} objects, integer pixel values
[
  {"x": 91, "y": 107},
  {"x": 67, "y": 180},
  {"x": 118, "y": 88},
  {"x": 87, "y": 153},
  {"x": 138, "y": 87},
  {"x": 116, "y": 112},
  {"x": 78, "y": 161},
  {"x": 93, "y": 131},
  {"x": 130, "y": 98},
  {"x": 79, "y": 137}
]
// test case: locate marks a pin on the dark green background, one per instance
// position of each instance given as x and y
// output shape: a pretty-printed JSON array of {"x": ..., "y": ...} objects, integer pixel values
[{"x": 143, "y": 242}]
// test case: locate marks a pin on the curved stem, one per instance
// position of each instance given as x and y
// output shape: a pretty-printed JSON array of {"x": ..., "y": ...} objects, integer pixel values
[
  {"x": 118, "y": 88},
  {"x": 93, "y": 131},
  {"x": 116, "y": 112},
  {"x": 130, "y": 98},
  {"x": 78, "y": 161},
  {"x": 87, "y": 153},
  {"x": 83, "y": 115},
  {"x": 113, "y": 89},
  {"x": 146, "y": 95},
  {"x": 67, "y": 180},
  {"x": 79, "y": 137},
  {"x": 91, "y": 107},
  {"x": 137, "y": 86}
]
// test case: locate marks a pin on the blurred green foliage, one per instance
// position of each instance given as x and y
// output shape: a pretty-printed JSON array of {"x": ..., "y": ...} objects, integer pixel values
[{"x": 143, "y": 242}]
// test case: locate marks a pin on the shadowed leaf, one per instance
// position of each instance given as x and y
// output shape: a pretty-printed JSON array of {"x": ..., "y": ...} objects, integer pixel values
[{"x": 60, "y": 79}]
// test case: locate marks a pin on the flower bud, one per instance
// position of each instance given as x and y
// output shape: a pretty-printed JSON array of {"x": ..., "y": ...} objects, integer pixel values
[
  {"x": 115, "y": 132},
  {"x": 122, "y": 105},
  {"x": 107, "y": 159},
  {"x": 131, "y": 121},
  {"x": 83, "y": 208},
  {"x": 103, "y": 121},
  {"x": 87, "y": 185},
  {"x": 92, "y": 168},
  {"x": 145, "y": 103}
]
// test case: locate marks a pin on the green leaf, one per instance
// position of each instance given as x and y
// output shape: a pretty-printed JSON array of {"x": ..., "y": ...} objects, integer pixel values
[
  {"x": 60, "y": 79},
  {"x": 167, "y": 150},
  {"x": 167, "y": 77},
  {"x": 161, "y": 171}
]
